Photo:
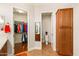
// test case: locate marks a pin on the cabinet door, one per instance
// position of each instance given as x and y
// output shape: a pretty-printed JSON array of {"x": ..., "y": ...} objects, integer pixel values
[
  {"x": 64, "y": 31},
  {"x": 58, "y": 38},
  {"x": 67, "y": 15},
  {"x": 57, "y": 31},
  {"x": 67, "y": 28}
]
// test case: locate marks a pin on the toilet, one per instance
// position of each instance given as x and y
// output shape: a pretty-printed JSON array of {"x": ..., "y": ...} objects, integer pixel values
[{"x": 46, "y": 38}]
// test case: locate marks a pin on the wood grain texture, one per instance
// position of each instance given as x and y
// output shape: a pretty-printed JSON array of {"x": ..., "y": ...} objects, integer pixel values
[
  {"x": 20, "y": 47},
  {"x": 3, "y": 51},
  {"x": 64, "y": 31},
  {"x": 46, "y": 50}
]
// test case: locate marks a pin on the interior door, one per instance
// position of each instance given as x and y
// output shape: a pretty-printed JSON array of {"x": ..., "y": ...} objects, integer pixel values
[
  {"x": 67, "y": 31},
  {"x": 64, "y": 31}
]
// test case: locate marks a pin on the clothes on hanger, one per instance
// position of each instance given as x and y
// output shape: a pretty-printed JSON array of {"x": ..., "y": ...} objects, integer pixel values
[
  {"x": 7, "y": 28},
  {"x": 15, "y": 28},
  {"x": 24, "y": 38},
  {"x": 19, "y": 28},
  {"x": 26, "y": 28},
  {"x": 22, "y": 28}
]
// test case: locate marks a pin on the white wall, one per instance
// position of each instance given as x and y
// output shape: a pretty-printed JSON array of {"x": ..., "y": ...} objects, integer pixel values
[
  {"x": 76, "y": 30},
  {"x": 31, "y": 29}
]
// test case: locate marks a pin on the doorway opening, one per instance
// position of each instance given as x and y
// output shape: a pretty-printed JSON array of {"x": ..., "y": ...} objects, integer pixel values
[
  {"x": 20, "y": 31},
  {"x": 46, "y": 31}
]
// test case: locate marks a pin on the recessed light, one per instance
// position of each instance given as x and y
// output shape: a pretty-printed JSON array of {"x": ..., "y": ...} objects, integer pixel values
[
  {"x": 20, "y": 11},
  {"x": 1, "y": 20}
]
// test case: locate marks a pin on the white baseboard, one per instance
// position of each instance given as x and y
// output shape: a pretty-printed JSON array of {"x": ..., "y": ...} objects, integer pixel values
[
  {"x": 38, "y": 48},
  {"x": 54, "y": 49}
]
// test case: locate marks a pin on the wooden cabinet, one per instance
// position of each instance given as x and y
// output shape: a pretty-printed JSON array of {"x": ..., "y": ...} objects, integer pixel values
[{"x": 64, "y": 31}]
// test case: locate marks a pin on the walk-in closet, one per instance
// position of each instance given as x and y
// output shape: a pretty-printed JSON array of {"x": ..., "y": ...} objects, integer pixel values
[{"x": 20, "y": 31}]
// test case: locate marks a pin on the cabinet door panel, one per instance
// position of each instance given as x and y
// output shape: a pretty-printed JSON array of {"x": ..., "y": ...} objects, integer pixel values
[
  {"x": 64, "y": 31},
  {"x": 67, "y": 17},
  {"x": 66, "y": 36},
  {"x": 58, "y": 42}
]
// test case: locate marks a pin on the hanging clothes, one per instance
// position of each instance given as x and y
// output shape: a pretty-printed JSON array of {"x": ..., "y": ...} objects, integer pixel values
[
  {"x": 24, "y": 38},
  {"x": 24, "y": 27},
  {"x": 18, "y": 28},
  {"x": 15, "y": 28},
  {"x": 7, "y": 28},
  {"x": 21, "y": 28}
]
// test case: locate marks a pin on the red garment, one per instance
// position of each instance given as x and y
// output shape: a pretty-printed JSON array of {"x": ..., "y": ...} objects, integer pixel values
[
  {"x": 24, "y": 27},
  {"x": 7, "y": 28},
  {"x": 19, "y": 28}
]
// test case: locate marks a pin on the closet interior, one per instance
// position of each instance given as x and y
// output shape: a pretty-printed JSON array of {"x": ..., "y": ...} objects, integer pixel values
[{"x": 20, "y": 31}]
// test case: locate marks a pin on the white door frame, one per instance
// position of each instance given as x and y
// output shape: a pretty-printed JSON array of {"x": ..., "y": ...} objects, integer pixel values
[
  {"x": 51, "y": 28},
  {"x": 28, "y": 30}
]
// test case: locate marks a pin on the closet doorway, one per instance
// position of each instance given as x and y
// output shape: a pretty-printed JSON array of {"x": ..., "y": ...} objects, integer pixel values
[
  {"x": 20, "y": 31},
  {"x": 46, "y": 32}
]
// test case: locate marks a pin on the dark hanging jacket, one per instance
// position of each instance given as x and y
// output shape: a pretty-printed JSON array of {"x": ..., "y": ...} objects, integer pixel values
[{"x": 15, "y": 28}]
